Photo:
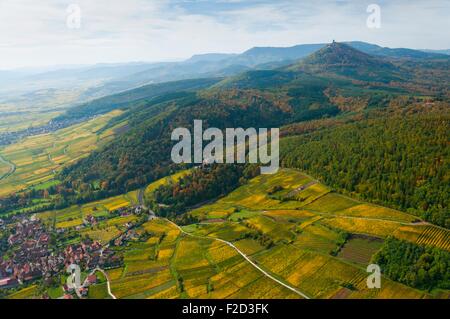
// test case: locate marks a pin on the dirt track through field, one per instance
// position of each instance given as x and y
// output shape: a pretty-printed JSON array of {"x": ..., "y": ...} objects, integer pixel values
[
  {"x": 246, "y": 258},
  {"x": 12, "y": 168}
]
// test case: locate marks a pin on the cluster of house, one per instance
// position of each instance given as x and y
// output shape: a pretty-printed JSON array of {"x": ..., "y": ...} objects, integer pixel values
[
  {"x": 29, "y": 231},
  {"x": 130, "y": 234},
  {"x": 126, "y": 236},
  {"x": 31, "y": 257},
  {"x": 8, "y": 137},
  {"x": 89, "y": 220},
  {"x": 88, "y": 254},
  {"x": 127, "y": 211}
]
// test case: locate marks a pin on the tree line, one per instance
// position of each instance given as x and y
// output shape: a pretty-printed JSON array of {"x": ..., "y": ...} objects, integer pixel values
[{"x": 416, "y": 266}]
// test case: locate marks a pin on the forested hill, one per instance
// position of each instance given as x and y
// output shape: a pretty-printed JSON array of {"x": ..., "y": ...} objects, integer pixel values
[
  {"x": 398, "y": 161},
  {"x": 428, "y": 76},
  {"x": 274, "y": 98},
  {"x": 358, "y": 60},
  {"x": 342, "y": 59},
  {"x": 143, "y": 153},
  {"x": 133, "y": 97}
]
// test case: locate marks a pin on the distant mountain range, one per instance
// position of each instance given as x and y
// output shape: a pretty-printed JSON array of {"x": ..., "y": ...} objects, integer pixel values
[
  {"x": 105, "y": 79},
  {"x": 447, "y": 52},
  {"x": 330, "y": 86},
  {"x": 217, "y": 64},
  {"x": 336, "y": 80},
  {"x": 335, "y": 61}
]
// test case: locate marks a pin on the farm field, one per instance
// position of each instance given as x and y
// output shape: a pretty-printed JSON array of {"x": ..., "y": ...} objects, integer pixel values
[
  {"x": 322, "y": 276},
  {"x": 5, "y": 168},
  {"x": 425, "y": 235},
  {"x": 99, "y": 291},
  {"x": 373, "y": 211},
  {"x": 108, "y": 226},
  {"x": 316, "y": 237},
  {"x": 319, "y": 247},
  {"x": 316, "y": 231},
  {"x": 38, "y": 158},
  {"x": 254, "y": 195},
  {"x": 188, "y": 267},
  {"x": 101, "y": 208},
  {"x": 163, "y": 181},
  {"x": 360, "y": 249},
  {"x": 331, "y": 210},
  {"x": 331, "y": 203},
  {"x": 12, "y": 123},
  {"x": 26, "y": 293},
  {"x": 377, "y": 228}
]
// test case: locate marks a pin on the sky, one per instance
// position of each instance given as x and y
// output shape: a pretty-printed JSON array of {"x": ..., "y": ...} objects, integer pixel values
[{"x": 47, "y": 32}]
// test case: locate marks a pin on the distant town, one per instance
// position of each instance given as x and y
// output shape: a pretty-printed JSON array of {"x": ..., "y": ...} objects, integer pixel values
[{"x": 8, "y": 137}]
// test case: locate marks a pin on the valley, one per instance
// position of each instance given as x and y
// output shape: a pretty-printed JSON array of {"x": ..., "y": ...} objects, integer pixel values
[
  {"x": 314, "y": 244},
  {"x": 363, "y": 179}
]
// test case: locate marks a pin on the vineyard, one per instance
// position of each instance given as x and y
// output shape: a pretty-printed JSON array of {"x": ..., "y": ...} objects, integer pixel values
[
  {"x": 38, "y": 158},
  {"x": 360, "y": 249},
  {"x": 425, "y": 235},
  {"x": 320, "y": 247}
]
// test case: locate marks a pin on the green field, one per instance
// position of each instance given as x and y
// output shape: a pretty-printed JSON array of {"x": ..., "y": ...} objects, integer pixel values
[
  {"x": 13, "y": 123},
  {"x": 188, "y": 267},
  {"x": 163, "y": 181},
  {"x": 109, "y": 227},
  {"x": 307, "y": 233},
  {"x": 38, "y": 158},
  {"x": 320, "y": 246},
  {"x": 360, "y": 249}
]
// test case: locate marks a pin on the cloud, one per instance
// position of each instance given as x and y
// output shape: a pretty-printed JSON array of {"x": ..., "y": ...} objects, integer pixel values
[{"x": 35, "y": 33}]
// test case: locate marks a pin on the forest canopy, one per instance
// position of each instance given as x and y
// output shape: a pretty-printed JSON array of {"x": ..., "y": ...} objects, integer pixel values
[
  {"x": 413, "y": 265},
  {"x": 402, "y": 162}
]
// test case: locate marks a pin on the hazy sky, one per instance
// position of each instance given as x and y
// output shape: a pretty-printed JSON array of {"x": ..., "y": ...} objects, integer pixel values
[{"x": 35, "y": 33}]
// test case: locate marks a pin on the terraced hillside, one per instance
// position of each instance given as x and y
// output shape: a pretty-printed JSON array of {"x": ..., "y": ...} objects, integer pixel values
[
  {"x": 37, "y": 159},
  {"x": 300, "y": 241},
  {"x": 344, "y": 108},
  {"x": 320, "y": 245},
  {"x": 373, "y": 131}
]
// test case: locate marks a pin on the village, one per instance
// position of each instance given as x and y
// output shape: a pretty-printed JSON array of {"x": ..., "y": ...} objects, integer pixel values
[
  {"x": 33, "y": 253},
  {"x": 7, "y": 138}
]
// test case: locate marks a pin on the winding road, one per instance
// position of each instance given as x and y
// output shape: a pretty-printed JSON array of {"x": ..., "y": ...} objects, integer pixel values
[
  {"x": 141, "y": 201},
  {"x": 12, "y": 168},
  {"x": 108, "y": 285},
  {"x": 246, "y": 258}
]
